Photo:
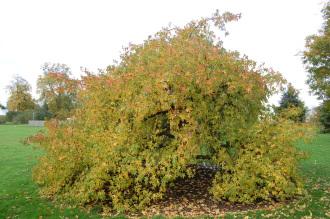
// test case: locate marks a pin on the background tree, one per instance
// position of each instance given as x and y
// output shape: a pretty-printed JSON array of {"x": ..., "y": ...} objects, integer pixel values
[
  {"x": 57, "y": 90},
  {"x": 316, "y": 57},
  {"x": 324, "y": 115},
  {"x": 2, "y": 117},
  {"x": 290, "y": 101},
  {"x": 41, "y": 112},
  {"x": 20, "y": 98}
]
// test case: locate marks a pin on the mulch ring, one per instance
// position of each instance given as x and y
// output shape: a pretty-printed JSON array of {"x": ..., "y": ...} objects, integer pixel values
[{"x": 190, "y": 198}]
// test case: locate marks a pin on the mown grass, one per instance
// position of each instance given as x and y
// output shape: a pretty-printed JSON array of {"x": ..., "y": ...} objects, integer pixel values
[{"x": 19, "y": 195}]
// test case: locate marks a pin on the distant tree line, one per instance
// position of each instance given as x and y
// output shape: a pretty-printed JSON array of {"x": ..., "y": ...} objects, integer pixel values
[{"x": 56, "y": 88}]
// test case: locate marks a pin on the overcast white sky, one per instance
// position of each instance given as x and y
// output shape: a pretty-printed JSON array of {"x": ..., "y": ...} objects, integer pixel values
[{"x": 92, "y": 33}]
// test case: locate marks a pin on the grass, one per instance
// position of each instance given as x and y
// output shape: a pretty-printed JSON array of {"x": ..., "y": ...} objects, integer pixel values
[{"x": 19, "y": 195}]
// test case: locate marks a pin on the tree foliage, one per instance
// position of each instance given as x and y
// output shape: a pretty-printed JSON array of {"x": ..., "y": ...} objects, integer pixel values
[
  {"x": 291, "y": 106},
  {"x": 20, "y": 98},
  {"x": 142, "y": 123},
  {"x": 324, "y": 116},
  {"x": 57, "y": 89},
  {"x": 317, "y": 60}
]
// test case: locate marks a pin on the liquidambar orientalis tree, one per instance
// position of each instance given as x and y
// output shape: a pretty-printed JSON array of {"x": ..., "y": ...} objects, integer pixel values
[{"x": 142, "y": 123}]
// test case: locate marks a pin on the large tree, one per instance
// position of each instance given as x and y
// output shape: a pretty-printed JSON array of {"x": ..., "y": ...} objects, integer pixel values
[
  {"x": 317, "y": 61},
  {"x": 317, "y": 58},
  {"x": 57, "y": 89},
  {"x": 20, "y": 98},
  {"x": 144, "y": 123},
  {"x": 291, "y": 105}
]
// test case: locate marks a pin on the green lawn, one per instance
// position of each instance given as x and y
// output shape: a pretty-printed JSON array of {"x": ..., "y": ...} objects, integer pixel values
[
  {"x": 18, "y": 194},
  {"x": 19, "y": 197}
]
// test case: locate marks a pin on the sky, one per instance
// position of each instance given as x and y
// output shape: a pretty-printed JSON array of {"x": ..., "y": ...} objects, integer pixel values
[{"x": 92, "y": 33}]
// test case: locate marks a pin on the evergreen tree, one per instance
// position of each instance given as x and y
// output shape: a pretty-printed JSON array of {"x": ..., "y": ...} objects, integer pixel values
[{"x": 290, "y": 100}]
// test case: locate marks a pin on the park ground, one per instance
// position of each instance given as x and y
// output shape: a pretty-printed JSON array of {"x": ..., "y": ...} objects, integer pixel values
[{"x": 19, "y": 195}]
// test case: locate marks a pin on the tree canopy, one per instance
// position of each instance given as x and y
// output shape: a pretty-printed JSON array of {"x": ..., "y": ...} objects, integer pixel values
[
  {"x": 20, "y": 98},
  {"x": 290, "y": 100},
  {"x": 143, "y": 123},
  {"x": 316, "y": 58},
  {"x": 57, "y": 89}
]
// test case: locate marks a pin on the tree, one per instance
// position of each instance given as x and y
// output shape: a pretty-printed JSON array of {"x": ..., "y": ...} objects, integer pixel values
[
  {"x": 143, "y": 124},
  {"x": 41, "y": 112},
  {"x": 316, "y": 58},
  {"x": 2, "y": 106},
  {"x": 290, "y": 101},
  {"x": 20, "y": 98},
  {"x": 324, "y": 115},
  {"x": 57, "y": 89}
]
